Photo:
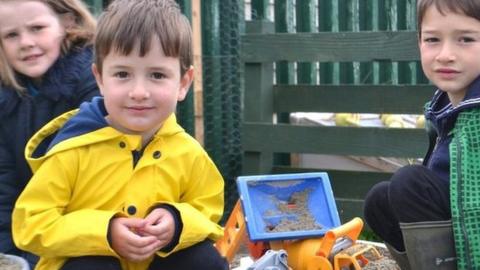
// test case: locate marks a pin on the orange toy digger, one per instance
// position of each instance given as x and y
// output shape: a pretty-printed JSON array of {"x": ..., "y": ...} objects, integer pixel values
[{"x": 271, "y": 201}]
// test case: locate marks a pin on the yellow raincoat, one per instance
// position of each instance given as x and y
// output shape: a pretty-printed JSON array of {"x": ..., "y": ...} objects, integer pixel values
[{"x": 88, "y": 177}]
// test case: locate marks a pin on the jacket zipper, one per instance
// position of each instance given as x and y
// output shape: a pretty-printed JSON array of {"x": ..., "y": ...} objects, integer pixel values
[{"x": 460, "y": 202}]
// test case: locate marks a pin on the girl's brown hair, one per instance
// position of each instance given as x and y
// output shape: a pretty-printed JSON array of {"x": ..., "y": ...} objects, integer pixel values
[{"x": 80, "y": 34}]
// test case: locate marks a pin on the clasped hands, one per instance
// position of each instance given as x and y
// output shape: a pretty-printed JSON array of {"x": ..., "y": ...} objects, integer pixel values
[{"x": 137, "y": 239}]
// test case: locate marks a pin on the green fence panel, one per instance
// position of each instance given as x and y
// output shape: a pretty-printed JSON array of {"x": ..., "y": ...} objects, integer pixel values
[
  {"x": 259, "y": 9},
  {"x": 305, "y": 18},
  {"x": 222, "y": 22},
  {"x": 185, "y": 109},
  {"x": 96, "y": 6}
]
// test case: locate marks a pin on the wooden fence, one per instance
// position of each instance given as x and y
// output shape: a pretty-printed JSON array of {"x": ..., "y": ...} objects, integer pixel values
[{"x": 265, "y": 98}]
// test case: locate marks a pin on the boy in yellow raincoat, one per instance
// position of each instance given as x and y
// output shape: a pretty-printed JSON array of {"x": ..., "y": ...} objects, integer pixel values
[{"x": 118, "y": 184}]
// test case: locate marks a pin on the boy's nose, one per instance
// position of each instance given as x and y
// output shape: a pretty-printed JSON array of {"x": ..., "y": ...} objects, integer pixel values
[
  {"x": 446, "y": 53},
  {"x": 139, "y": 91}
]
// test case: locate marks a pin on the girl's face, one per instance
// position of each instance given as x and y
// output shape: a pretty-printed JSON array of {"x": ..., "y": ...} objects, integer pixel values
[
  {"x": 450, "y": 51},
  {"x": 31, "y": 35}
]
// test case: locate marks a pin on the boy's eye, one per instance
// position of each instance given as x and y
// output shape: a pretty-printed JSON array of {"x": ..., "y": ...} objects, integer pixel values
[
  {"x": 121, "y": 74},
  {"x": 430, "y": 39},
  {"x": 158, "y": 75},
  {"x": 466, "y": 39}
]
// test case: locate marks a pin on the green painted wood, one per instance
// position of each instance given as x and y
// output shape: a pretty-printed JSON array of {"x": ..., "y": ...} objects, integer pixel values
[
  {"x": 367, "y": 17},
  {"x": 331, "y": 47},
  {"x": 259, "y": 9},
  {"x": 345, "y": 57},
  {"x": 255, "y": 163},
  {"x": 325, "y": 24},
  {"x": 212, "y": 77},
  {"x": 95, "y": 6},
  {"x": 258, "y": 79},
  {"x": 231, "y": 17},
  {"x": 306, "y": 72},
  {"x": 259, "y": 97},
  {"x": 186, "y": 6},
  {"x": 284, "y": 24},
  {"x": 349, "y": 208},
  {"x": 185, "y": 109},
  {"x": 384, "y": 70},
  {"x": 335, "y": 17},
  {"x": 366, "y": 141},
  {"x": 347, "y": 13},
  {"x": 259, "y": 26},
  {"x": 395, "y": 99},
  {"x": 284, "y": 71}
]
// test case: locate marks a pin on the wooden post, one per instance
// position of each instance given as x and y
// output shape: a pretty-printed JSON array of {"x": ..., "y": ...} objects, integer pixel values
[{"x": 197, "y": 63}]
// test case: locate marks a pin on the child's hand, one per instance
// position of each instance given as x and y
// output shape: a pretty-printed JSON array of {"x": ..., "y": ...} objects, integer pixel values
[
  {"x": 128, "y": 243},
  {"x": 161, "y": 224}
]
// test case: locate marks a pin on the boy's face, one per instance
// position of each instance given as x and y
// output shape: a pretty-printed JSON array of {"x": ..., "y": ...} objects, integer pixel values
[
  {"x": 450, "y": 51},
  {"x": 141, "y": 92}
]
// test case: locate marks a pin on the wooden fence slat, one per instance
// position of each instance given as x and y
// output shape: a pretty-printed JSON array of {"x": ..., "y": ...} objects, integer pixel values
[
  {"x": 331, "y": 47},
  {"x": 394, "y": 99},
  {"x": 365, "y": 141}
]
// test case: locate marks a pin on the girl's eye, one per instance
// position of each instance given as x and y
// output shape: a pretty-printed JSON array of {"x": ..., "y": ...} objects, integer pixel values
[
  {"x": 10, "y": 35},
  {"x": 158, "y": 75},
  {"x": 37, "y": 28},
  {"x": 121, "y": 74}
]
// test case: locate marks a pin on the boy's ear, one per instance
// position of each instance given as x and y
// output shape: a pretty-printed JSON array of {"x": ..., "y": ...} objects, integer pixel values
[
  {"x": 98, "y": 78},
  {"x": 185, "y": 83}
]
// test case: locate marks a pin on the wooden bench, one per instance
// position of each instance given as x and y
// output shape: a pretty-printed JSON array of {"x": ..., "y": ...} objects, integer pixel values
[{"x": 262, "y": 137}]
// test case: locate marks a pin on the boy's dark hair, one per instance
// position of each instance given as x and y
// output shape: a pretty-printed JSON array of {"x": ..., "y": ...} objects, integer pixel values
[
  {"x": 470, "y": 8},
  {"x": 126, "y": 22}
]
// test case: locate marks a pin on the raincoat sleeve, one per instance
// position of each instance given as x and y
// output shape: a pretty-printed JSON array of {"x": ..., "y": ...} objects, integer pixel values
[
  {"x": 201, "y": 206},
  {"x": 42, "y": 222}
]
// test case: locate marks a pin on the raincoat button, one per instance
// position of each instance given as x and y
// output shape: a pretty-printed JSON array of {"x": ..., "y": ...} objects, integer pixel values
[
  {"x": 131, "y": 210},
  {"x": 122, "y": 145},
  {"x": 157, "y": 154}
]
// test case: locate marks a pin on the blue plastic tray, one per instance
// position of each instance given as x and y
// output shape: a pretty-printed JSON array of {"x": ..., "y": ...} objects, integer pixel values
[{"x": 269, "y": 200}]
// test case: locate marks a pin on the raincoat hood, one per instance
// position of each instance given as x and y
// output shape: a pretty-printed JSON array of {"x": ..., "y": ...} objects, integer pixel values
[{"x": 84, "y": 126}]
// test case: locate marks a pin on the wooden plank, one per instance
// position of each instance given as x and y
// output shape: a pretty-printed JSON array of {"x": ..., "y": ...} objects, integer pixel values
[
  {"x": 368, "y": 141},
  {"x": 349, "y": 208},
  {"x": 257, "y": 163},
  {"x": 259, "y": 9},
  {"x": 259, "y": 97},
  {"x": 331, "y": 46},
  {"x": 396, "y": 99},
  {"x": 198, "y": 74}
]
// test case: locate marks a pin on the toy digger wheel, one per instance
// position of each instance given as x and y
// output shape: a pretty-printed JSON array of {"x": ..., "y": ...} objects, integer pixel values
[{"x": 319, "y": 263}]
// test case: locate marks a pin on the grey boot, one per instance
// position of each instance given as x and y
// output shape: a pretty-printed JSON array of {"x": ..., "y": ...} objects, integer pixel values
[
  {"x": 430, "y": 245},
  {"x": 400, "y": 257}
]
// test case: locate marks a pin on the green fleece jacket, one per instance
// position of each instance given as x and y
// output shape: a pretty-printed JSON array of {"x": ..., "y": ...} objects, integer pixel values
[{"x": 465, "y": 188}]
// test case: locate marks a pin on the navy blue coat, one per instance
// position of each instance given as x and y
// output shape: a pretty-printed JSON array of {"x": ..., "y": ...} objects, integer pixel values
[{"x": 66, "y": 84}]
